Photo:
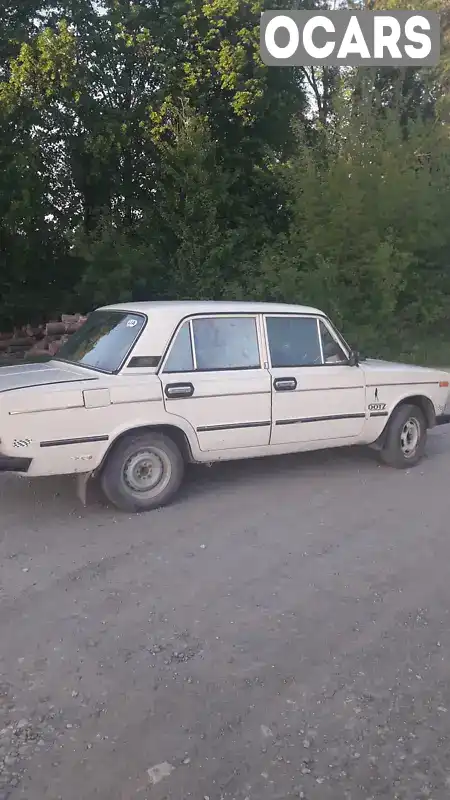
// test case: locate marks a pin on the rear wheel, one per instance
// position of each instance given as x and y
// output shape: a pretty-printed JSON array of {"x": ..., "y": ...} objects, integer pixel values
[
  {"x": 406, "y": 437},
  {"x": 142, "y": 472}
]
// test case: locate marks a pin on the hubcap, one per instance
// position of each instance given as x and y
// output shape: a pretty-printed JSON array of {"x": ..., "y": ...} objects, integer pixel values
[
  {"x": 147, "y": 472},
  {"x": 410, "y": 436}
]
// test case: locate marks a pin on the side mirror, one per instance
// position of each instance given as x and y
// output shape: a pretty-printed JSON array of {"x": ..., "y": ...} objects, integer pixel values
[{"x": 353, "y": 359}]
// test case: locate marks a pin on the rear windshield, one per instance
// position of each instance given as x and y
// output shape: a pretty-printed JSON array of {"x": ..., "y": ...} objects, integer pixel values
[{"x": 104, "y": 341}]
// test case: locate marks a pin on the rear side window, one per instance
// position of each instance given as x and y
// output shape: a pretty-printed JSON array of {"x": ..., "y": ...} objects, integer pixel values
[
  {"x": 223, "y": 343},
  {"x": 180, "y": 358},
  {"x": 293, "y": 341},
  {"x": 219, "y": 343}
]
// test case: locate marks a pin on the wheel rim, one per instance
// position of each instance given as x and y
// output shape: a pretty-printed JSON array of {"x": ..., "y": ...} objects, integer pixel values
[
  {"x": 410, "y": 437},
  {"x": 147, "y": 472}
]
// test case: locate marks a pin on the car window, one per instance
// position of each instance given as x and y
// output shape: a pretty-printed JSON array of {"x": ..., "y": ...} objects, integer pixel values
[
  {"x": 180, "y": 358},
  {"x": 226, "y": 343},
  {"x": 332, "y": 352},
  {"x": 293, "y": 341}
]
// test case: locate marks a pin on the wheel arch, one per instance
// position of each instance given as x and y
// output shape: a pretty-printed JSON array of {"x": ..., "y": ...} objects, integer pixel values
[
  {"x": 424, "y": 403},
  {"x": 172, "y": 431},
  {"x": 421, "y": 401}
]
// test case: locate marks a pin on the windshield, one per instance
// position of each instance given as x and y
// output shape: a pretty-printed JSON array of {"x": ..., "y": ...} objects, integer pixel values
[{"x": 104, "y": 341}]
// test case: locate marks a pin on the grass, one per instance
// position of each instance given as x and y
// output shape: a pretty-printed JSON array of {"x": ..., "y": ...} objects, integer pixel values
[
  {"x": 431, "y": 352},
  {"x": 421, "y": 350}
]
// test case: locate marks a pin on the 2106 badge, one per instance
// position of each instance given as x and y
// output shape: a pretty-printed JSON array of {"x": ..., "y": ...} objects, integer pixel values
[{"x": 377, "y": 406}]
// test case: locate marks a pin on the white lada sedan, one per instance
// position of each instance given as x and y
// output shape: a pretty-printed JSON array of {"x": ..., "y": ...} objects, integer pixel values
[{"x": 143, "y": 388}]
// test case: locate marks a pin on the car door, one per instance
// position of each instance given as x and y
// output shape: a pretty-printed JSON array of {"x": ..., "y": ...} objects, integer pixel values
[
  {"x": 213, "y": 377},
  {"x": 316, "y": 394}
]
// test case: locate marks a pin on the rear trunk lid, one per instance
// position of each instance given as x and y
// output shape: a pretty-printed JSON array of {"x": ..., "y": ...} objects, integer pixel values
[{"x": 25, "y": 376}]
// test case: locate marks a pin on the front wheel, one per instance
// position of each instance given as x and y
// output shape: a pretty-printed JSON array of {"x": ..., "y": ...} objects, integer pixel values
[
  {"x": 406, "y": 437},
  {"x": 142, "y": 471}
]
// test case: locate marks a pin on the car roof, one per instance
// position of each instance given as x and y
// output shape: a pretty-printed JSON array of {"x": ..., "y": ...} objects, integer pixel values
[
  {"x": 164, "y": 316},
  {"x": 185, "y": 307}
]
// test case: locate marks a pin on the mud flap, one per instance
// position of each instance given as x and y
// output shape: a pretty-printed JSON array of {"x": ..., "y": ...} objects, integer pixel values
[{"x": 82, "y": 482}]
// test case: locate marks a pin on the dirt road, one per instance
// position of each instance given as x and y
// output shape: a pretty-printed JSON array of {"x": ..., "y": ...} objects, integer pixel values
[{"x": 282, "y": 631}]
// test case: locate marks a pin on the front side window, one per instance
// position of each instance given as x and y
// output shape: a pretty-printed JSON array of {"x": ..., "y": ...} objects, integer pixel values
[
  {"x": 293, "y": 341},
  {"x": 332, "y": 351},
  {"x": 104, "y": 341},
  {"x": 223, "y": 343}
]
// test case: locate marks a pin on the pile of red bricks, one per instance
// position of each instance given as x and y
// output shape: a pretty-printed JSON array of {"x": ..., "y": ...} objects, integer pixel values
[{"x": 43, "y": 340}]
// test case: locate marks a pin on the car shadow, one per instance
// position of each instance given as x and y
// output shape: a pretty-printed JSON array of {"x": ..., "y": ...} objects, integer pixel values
[
  {"x": 256, "y": 469},
  {"x": 56, "y": 495}
]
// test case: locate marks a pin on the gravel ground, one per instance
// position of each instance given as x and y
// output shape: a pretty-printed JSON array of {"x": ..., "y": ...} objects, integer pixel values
[{"x": 281, "y": 631}]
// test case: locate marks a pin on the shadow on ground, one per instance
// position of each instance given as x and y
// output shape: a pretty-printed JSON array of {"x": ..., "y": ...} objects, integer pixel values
[{"x": 57, "y": 493}]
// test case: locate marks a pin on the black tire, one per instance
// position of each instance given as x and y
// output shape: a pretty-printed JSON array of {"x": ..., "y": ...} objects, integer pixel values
[
  {"x": 407, "y": 423},
  {"x": 120, "y": 477}
]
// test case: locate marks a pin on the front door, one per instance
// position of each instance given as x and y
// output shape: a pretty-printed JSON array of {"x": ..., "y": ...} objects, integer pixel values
[
  {"x": 316, "y": 395},
  {"x": 214, "y": 378}
]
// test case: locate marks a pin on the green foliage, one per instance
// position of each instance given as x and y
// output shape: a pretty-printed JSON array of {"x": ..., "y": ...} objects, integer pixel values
[
  {"x": 368, "y": 239},
  {"x": 193, "y": 237},
  {"x": 146, "y": 152}
]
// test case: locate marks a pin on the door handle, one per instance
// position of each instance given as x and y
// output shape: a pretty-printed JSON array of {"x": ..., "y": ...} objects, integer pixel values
[
  {"x": 179, "y": 390},
  {"x": 285, "y": 384}
]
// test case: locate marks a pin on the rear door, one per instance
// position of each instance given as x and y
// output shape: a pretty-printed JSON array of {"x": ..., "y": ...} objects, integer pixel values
[
  {"x": 316, "y": 394},
  {"x": 213, "y": 377}
]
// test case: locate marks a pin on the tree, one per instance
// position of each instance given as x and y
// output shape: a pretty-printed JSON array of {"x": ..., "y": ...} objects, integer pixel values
[
  {"x": 368, "y": 239},
  {"x": 418, "y": 91},
  {"x": 100, "y": 89}
]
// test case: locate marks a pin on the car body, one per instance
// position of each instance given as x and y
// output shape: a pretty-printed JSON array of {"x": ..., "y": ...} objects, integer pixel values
[{"x": 215, "y": 380}]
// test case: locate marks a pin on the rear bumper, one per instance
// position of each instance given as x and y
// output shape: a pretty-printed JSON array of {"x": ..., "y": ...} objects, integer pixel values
[
  {"x": 14, "y": 464},
  {"x": 443, "y": 419}
]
